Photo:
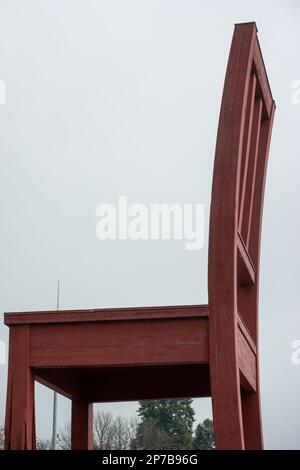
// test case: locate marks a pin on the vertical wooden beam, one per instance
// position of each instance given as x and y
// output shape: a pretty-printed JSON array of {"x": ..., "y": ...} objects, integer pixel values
[
  {"x": 222, "y": 266},
  {"x": 251, "y": 401},
  {"x": 252, "y": 420},
  {"x": 246, "y": 145},
  {"x": 237, "y": 198},
  {"x": 258, "y": 197},
  {"x": 250, "y": 185},
  {"x": 20, "y": 414},
  {"x": 82, "y": 425}
]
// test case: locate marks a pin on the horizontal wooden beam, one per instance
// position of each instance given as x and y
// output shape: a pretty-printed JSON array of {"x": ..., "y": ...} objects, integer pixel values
[
  {"x": 111, "y": 343},
  {"x": 65, "y": 381},
  {"x": 110, "y": 384},
  {"x": 105, "y": 314},
  {"x": 146, "y": 383}
]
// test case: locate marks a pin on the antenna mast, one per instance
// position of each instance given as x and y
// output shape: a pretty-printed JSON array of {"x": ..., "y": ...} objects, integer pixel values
[{"x": 54, "y": 422}]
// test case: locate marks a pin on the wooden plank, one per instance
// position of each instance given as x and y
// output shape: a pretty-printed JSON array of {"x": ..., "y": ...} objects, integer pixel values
[
  {"x": 246, "y": 361},
  {"x": 263, "y": 81},
  {"x": 66, "y": 381},
  {"x": 9, "y": 394},
  {"x": 246, "y": 145},
  {"x": 105, "y": 314},
  {"x": 252, "y": 420},
  {"x": 109, "y": 384},
  {"x": 251, "y": 177},
  {"x": 20, "y": 414},
  {"x": 120, "y": 343},
  {"x": 222, "y": 265},
  {"x": 258, "y": 199},
  {"x": 81, "y": 426},
  {"x": 246, "y": 333}
]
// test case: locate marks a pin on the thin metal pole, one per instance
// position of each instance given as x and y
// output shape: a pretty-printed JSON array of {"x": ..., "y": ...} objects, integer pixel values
[{"x": 54, "y": 423}]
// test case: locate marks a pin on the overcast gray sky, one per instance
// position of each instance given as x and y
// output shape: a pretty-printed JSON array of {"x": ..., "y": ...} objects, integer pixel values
[{"x": 122, "y": 97}]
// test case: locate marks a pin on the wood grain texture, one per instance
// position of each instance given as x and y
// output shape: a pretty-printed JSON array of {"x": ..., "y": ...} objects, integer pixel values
[
  {"x": 222, "y": 268},
  {"x": 66, "y": 381},
  {"x": 81, "y": 426},
  {"x": 245, "y": 268},
  {"x": 20, "y": 414},
  {"x": 247, "y": 110},
  {"x": 246, "y": 145},
  {"x": 120, "y": 343},
  {"x": 263, "y": 81},
  {"x": 105, "y": 314},
  {"x": 246, "y": 361},
  {"x": 251, "y": 172}
]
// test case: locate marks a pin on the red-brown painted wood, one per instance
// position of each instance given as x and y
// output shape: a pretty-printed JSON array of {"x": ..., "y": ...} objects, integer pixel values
[
  {"x": 173, "y": 351},
  {"x": 120, "y": 343},
  {"x": 105, "y": 314},
  {"x": 246, "y": 144},
  {"x": 66, "y": 380},
  {"x": 121, "y": 383},
  {"x": 246, "y": 360},
  {"x": 82, "y": 426},
  {"x": 235, "y": 225},
  {"x": 146, "y": 383},
  {"x": 20, "y": 415}
]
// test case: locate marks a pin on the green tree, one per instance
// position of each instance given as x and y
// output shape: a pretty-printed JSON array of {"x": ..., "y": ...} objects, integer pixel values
[
  {"x": 174, "y": 417},
  {"x": 204, "y": 435},
  {"x": 149, "y": 436}
]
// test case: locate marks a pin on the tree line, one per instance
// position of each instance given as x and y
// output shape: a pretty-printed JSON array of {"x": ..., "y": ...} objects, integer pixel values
[{"x": 160, "y": 425}]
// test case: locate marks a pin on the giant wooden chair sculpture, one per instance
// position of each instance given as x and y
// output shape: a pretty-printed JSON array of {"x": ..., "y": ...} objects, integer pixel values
[{"x": 170, "y": 352}]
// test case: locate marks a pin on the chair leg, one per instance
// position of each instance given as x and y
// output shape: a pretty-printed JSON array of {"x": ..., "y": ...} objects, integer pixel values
[
  {"x": 20, "y": 415},
  {"x": 236, "y": 412},
  {"x": 227, "y": 414},
  {"x": 82, "y": 426}
]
